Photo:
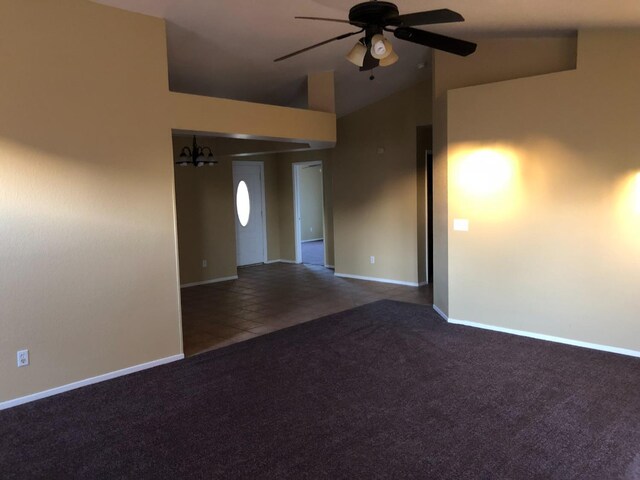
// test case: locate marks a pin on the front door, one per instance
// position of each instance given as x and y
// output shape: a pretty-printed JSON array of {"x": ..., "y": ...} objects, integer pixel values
[{"x": 249, "y": 212}]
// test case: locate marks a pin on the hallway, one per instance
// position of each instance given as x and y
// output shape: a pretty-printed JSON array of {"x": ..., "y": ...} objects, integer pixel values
[{"x": 313, "y": 252}]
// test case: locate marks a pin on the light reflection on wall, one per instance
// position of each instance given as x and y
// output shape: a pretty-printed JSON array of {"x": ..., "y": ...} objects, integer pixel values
[
  {"x": 628, "y": 210},
  {"x": 636, "y": 194},
  {"x": 484, "y": 182}
]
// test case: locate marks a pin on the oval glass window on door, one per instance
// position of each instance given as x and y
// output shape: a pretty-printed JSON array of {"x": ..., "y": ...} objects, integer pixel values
[{"x": 243, "y": 204}]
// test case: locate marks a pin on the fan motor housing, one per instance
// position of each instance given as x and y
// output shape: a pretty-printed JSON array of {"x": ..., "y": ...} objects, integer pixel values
[{"x": 373, "y": 13}]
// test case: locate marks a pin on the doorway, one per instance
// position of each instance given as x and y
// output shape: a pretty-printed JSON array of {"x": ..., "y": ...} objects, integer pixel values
[
  {"x": 424, "y": 169},
  {"x": 309, "y": 213},
  {"x": 250, "y": 217},
  {"x": 429, "y": 178}
]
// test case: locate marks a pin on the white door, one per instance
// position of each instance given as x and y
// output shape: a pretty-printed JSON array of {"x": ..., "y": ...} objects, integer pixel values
[{"x": 248, "y": 191}]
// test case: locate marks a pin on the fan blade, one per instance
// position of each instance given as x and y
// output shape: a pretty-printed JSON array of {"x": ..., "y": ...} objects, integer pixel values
[
  {"x": 369, "y": 62},
  {"x": 434, "y": 40},
  {"x": 430, "y": 17},
  {"x": 357, "y": 24},
  {"x": 339, "y": 37}
]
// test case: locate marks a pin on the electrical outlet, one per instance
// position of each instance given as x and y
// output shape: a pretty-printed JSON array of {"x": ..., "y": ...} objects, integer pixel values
[
  {"x": 311, "y": 229},
  {"x": 204, "y": 264},
  {"x": 23, "y": 358},
  {"x": 372, "y": 259}
]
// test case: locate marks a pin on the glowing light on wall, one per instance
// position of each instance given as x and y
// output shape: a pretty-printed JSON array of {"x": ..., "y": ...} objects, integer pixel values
[
  {"x": 484, "y": 181},
  {"x": 486, "y": 171},
  {"x": 636, "y": 194},
  {"x": 627, "y": 211}
]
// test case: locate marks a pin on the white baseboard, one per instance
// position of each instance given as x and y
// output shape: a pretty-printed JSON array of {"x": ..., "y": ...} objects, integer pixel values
[
  {"x": 206, "y": 282},
  {"x": 548, "y": 338},
  {"x": 440, "y": 312},
  {"x": 280, "y": 260},
  {"x": 88, "y": 381},
  {"x": 422, "y": 284},
  {"x": 332, "y": 267},
  {"x": 376, "y": 279},
  {"x": 312, "y": 240}
]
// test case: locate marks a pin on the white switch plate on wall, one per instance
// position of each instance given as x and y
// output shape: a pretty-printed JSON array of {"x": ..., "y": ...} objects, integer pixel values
[{"x": 461, "y": 224}]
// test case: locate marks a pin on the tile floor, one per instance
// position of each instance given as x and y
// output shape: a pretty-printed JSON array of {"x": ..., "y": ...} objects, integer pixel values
[{"x": 270, "y": 297}]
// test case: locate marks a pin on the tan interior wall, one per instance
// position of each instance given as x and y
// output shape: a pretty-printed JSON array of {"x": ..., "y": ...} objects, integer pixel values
[
  {"x": 375, "y": 194},
  {"x": 553, "y": 245},
  {"x": 272, "y": 197},
  {"x": 495, "y": 60},
  {"x": 194, "y": 113},
  {"x": 311, "y": 221},
  {"x": 327, "y": 195},
  {"x": 88, "y": 281},
  {"x": 205, "y": 217},
  {"x": 321, "y": 94}
]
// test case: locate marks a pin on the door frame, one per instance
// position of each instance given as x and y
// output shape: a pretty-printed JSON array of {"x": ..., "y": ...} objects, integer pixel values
[
  {"x": 297, "y": 227},
  {"x": 264, "y": 206},
  {"x": 428, "y": 190}
]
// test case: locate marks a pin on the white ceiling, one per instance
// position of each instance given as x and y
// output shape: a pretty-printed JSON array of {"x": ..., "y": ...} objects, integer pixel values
[{"x": 226, "y": 48}]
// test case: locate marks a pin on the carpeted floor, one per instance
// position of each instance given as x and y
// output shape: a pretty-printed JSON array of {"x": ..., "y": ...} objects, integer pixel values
[
  {"x": 313, "y": 252},
  {"x": 386, "y": 390}
]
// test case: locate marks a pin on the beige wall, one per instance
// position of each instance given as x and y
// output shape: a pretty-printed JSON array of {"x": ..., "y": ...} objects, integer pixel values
[
  {"x": 321, "y": 94},
  {"x": 272, "y": 199},
  {"x": 88, "y": 281},
  {"x": 311, "y": 221},
  {"x": 194, "y": 113},
  {"x": 375, "y": 195},
  {"x": 495, "y": 60},
  {"x": 553, "y": 245},
  {"x": 205, "y": 216}
]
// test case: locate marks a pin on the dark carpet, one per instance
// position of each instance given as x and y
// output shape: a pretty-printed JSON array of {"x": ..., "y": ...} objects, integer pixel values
[
  {"x": 313, "y": 252},
  {"x": 387, "y": 390}
]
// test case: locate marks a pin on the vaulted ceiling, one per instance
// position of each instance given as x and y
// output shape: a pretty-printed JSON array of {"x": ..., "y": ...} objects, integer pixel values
[{"x": 226, "y": 48}]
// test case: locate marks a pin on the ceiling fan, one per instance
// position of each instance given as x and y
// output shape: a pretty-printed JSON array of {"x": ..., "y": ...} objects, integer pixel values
[{"x": 375, "y": 17}]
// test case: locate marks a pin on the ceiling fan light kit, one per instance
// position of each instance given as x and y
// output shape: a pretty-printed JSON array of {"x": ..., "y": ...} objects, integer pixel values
[
  {"x": 389, "y": 59},
  {"x": 357, "y": 54},
  {"x": 375, "y": 17},
  {"x": 380, "y": 47}
]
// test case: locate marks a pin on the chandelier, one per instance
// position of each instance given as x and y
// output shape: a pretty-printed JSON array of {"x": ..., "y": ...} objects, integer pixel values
[{"x": 196, "y": 156}]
